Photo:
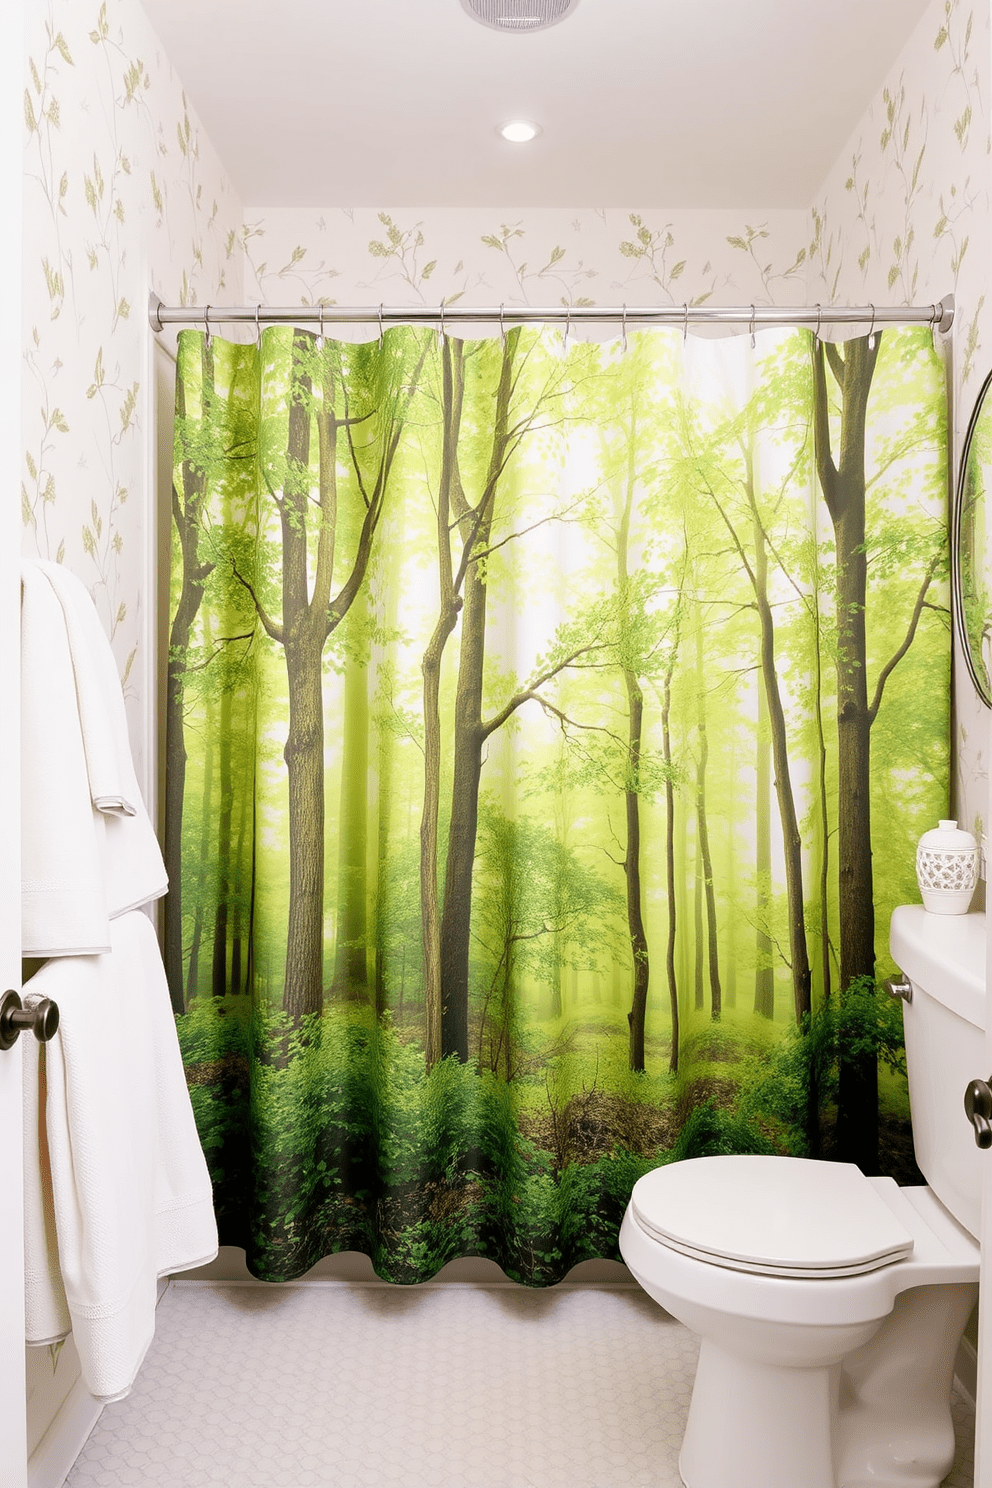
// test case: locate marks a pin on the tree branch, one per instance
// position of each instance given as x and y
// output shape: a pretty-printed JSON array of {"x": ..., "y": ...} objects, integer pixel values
[
  {"x": 495, "y": 547},
  {"x": 825, "y": 467},
  {"x": 897, "y": 657},
  {"x": 511, "y": 707},
  {"x": 272, "y": 627}
]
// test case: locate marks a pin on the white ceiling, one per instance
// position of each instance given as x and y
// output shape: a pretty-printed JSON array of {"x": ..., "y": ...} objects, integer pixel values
[{"x": 676, "y": 103}]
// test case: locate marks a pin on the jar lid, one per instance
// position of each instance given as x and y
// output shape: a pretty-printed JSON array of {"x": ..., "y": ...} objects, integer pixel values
[{"x": 949, "y": 837}]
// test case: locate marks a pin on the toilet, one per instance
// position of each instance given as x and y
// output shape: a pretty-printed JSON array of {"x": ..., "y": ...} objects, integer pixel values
[{"x": 829, "y": 1305}]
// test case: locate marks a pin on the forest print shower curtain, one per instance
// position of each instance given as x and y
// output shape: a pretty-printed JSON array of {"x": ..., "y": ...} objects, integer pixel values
[{"x": 550, "y": 728}]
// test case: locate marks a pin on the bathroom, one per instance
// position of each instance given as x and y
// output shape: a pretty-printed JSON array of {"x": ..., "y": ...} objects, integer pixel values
[{"x": 127, "y": 192}]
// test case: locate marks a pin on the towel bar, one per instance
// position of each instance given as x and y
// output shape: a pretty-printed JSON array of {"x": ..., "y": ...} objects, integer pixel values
[{"x": 42, "y": 1018}]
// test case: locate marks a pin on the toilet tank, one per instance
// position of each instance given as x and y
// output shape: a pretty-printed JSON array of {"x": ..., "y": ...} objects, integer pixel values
[{"x": 943, "y": 957}]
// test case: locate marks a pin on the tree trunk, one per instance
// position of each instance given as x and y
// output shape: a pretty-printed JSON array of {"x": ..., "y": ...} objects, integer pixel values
[
  {"x": 304, "y": 755},
  {"x": 394, "y": 543},
  {"x": 476, "y": 527},
  {"x": 698, "y": 1000},
  {"x": 632, "y": 870},
  {"x": 350, "y": 956},
  {"x": 449, "y": 605},
  {"x": 303, "y": 643},
  {"x": 307, "y": 622},
  {"x": 243, "y": 895},
  {"x": 843, "y": 485},
  {"x": 703, "y": 835},
  {"x": 666, "y": 743},
  {"x": 632, "y": 797},
  {"x": 764, "y": 969},
  {"x": 202, "y": 862},
  {"x": 218, "y": 970},
  {"x": 730, "y": 962},
  {"x": 791, "y": 838},
  {"x": 187, "y": 511}
]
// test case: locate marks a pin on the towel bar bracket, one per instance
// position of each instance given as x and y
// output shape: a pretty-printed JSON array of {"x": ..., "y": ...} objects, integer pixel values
[{"x": 41, "y": 1017}]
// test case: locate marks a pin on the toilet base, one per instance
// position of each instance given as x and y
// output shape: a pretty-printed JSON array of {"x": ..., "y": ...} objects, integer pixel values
[
  {"x": 875, "y": 1416},
  {"x": 757, "y": 1425},
  {"x": 894, "y": 1425}
]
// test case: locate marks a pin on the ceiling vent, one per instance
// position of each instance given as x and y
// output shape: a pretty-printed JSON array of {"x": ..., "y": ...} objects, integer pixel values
[{"x": 519, "y": 15}]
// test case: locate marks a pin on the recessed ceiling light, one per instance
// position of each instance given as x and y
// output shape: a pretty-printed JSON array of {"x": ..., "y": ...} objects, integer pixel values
[
  {"x": 519, "y": 131},
  {"x": 519, "y": 15}
]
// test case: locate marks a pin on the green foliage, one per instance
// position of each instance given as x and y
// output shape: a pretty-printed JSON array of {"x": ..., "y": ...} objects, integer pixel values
[
  {"x": 710, "y": 1130},
  {"x": 799, "y": 1081}
]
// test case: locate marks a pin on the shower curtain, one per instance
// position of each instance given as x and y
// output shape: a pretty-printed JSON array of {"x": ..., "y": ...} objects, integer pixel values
[{"x": 549, "y": 730}]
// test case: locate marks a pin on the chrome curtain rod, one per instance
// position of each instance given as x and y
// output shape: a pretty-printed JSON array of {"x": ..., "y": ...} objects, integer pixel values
[{"x": 940, "y": 315}]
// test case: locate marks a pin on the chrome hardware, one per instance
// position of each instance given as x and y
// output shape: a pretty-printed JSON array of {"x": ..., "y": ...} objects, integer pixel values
[
  {"x": 978, "y": 1109},
  {"x": 899, "y": 987},
  {"x": 42, "y": 1018}
]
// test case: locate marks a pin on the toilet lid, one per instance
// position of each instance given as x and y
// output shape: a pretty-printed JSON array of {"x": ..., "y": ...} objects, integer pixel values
[{"x": 779, "y": 1216}]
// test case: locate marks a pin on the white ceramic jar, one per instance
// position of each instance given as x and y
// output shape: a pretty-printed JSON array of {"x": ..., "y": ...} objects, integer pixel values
[{"x": 947, "y": 869}]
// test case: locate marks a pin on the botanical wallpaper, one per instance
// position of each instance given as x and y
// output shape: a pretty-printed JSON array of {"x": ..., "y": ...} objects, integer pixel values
[
  {"x": 122, "y": 192},
  {"x": 904, "y": 216},
  {"x": 493, "y": 256}
]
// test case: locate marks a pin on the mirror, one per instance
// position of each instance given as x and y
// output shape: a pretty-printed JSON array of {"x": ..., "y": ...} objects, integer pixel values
[{"x": 971, "y": 570}]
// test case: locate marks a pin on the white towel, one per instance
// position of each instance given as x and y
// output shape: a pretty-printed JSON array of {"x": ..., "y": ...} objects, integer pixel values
[
  {"x": 131, "y": 1194},
  {"x": 112, "y": 782},
  {"x": 89, "y": 852},
  {"x": 46, "y": 1311},
  {"x": 63, "y": 901}
]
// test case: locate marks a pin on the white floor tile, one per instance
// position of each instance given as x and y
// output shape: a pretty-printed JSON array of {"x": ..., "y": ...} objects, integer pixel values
[{"x": 456, "y": 1386}]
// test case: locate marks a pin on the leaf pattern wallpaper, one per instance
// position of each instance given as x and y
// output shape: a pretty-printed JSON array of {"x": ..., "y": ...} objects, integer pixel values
[
  {"x": 122, "y": 192},
  {"x": 904, "y": 216}
]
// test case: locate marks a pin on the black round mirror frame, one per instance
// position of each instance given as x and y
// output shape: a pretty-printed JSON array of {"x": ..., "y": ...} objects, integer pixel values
[{"x": 960, "y": 524}]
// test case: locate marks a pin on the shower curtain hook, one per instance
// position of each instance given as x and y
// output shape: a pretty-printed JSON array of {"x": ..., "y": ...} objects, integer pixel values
[
  {"x": 206, "y": 321},
  {"x": 258, "y": 330},
  {"x": 623, "y": 328},
  {"x": 871, "y": 331},
  {"x": 502, "y": 328},
  {"x": 440, "y": 329},
  {"x": 819, "y": 319},
  {"x": 320, "y": 329},
  {"x": 568, "y": 325},
  {"x": 751, "y": 327},
  {"x": 380, "y": 322},
  {"x": 685, "y": 322}
]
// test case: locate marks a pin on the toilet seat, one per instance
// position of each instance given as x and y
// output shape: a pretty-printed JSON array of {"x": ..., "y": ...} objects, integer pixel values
[{"x": 772, "y": 1216}]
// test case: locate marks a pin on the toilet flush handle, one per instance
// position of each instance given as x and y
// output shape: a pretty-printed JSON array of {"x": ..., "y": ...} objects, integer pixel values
[
  {"x": 899, "y": 986},
  {"x": 978, "y": 1109}
]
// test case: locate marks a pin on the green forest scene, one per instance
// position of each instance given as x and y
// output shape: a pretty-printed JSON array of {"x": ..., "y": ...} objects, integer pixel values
[{"x": 550, "y": 728}]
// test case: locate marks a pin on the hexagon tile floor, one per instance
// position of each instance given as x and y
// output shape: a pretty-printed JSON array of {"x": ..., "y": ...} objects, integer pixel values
[{"x": 371, "y": 1386}]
